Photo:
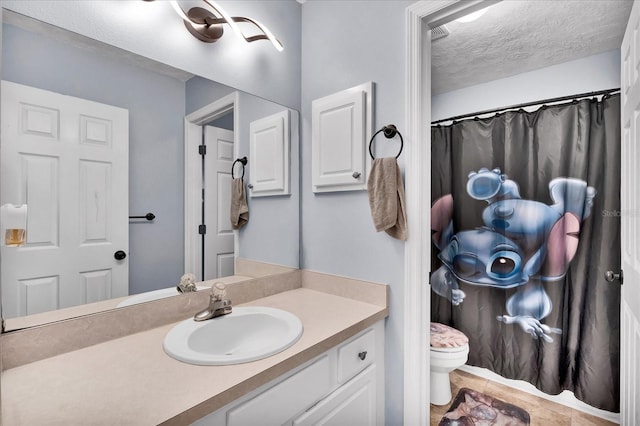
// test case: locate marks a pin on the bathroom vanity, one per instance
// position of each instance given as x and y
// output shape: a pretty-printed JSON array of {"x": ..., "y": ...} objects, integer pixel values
[
  {"x": 341, "y": 386},
  {"x": 334, "y": 371}
]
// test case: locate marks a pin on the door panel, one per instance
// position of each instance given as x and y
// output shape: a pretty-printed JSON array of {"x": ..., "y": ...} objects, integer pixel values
[
  {"x": 630, "y": 304},
  {"x": 67, "y": 159},
  {"x": 95, "y": 201},
  {"x": 219, "y": 240},
  {"x": 39, "y": 181}
]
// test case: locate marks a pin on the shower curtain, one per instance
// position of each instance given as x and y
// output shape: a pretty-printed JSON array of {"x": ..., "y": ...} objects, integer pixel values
[{"x": 525, "y": 223}]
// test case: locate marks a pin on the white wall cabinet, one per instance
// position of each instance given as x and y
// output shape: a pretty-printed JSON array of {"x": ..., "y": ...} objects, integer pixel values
[
  {"x": 269, "y": 155},
  {"x": 343, "y": 386},
  {"x": 340, "y": 131}
]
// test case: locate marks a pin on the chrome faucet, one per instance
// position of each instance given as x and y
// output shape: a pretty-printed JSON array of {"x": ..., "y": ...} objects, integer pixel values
[
  {"x": 187, "y": 283},
  {"x": 218, "y": 305}
]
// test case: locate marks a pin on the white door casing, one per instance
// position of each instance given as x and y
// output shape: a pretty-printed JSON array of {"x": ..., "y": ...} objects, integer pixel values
[
  {"x": 67, "y": 159},
  {"x": 420, "y": 17},
  {"x": 219, "y": 244},
  {"x": 630, "y": 223}
]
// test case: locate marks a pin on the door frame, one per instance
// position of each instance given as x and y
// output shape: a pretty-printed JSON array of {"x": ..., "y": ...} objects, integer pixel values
[
  {"x": 192, "y": 172},
  {"x": 419, "y": 18}
]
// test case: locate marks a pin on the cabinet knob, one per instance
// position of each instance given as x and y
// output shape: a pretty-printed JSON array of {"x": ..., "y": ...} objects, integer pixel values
[
  {"x": 362, "y": 355},
  {"x": 250, "y": 186},
  {"x": 356, "y": 175}
]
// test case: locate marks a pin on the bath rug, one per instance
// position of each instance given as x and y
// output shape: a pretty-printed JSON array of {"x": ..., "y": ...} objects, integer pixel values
[{"x": 474, "y": 408}]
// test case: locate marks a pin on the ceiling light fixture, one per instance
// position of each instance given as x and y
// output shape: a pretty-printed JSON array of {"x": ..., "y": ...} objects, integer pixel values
[{"x": 207, "y": 25}]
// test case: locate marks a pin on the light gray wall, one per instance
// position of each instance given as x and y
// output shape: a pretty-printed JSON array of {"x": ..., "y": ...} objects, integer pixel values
[
  {"x": 272, "y": 233},
  {"x": 200, "y": 92},
  {"x": 156, "y": 107},
  {"x": 593, "y": 73},
  {"x": 345, "y": 43},
  {"x": 154, "y": 30},
  {"x": 224, "y": 122}
]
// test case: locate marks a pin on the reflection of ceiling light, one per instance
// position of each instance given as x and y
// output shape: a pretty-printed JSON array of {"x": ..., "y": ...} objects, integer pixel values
[
  {"x": 472, "y": 16},
  {"x": 207, "y": 24}
]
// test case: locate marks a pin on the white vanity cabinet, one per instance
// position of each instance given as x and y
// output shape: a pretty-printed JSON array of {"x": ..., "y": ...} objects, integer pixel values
[{"x": 343, "y": 386}]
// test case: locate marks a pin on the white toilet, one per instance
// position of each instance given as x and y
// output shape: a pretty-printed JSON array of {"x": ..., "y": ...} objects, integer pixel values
[{"x": 449, "y": 350}]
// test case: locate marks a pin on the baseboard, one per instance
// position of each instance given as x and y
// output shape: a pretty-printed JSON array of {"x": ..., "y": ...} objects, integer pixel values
[{"x": 565, "y": 398}]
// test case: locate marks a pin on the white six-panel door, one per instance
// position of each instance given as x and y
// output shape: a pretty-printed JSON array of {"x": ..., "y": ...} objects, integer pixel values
[
  {"x": 630, "y": 197},
  {"x": 219, "y": 245},
  {"x": 67, "y": 159}
]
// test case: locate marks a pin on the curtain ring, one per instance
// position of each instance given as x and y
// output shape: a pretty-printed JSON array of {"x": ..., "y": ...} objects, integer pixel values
[
  {"x": 242, "y": 161},
  {"x": 389, "y": 132}
]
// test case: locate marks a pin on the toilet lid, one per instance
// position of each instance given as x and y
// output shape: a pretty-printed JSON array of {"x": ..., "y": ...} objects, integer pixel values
[{"x": 443, "y": 336}]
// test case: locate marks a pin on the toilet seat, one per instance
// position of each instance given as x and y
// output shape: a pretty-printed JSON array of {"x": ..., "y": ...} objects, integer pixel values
[
  {"x": 447, "y": 339},
  {"x": 464, "y": 348}
]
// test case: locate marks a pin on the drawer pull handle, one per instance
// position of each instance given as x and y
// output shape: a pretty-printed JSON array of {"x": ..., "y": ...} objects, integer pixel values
[{"x": 362, "y": 355}]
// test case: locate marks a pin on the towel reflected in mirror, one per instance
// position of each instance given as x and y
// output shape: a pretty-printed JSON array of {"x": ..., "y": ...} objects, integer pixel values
[{"x": 239, "y": 207}]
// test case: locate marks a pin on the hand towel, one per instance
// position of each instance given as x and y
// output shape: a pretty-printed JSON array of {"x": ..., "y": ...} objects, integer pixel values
[
  {"x": 239, "y": 207},
  {"x": 386, "y": 197}
]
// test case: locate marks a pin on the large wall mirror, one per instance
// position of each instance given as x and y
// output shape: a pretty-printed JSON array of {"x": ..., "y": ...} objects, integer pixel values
[{"x": 126, "y": 156}]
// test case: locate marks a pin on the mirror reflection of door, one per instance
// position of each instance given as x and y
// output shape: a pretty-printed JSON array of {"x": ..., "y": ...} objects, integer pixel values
[
  {"x": 218, "y": 242},
  {"x": 66, "y": 158}
]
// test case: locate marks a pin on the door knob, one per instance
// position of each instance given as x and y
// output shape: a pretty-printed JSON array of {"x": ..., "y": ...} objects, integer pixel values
[
  {"x": 119, "y": 255},
  {"x": 611, "y": 276}
]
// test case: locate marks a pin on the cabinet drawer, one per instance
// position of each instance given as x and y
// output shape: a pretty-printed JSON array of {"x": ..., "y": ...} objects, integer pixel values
[
  {"x": 355, "y": 355},
  {"x": 281, "y": 402}
]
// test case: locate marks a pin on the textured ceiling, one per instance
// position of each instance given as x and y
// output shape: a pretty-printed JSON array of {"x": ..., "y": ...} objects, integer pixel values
[{"x": 515, "y": 36}]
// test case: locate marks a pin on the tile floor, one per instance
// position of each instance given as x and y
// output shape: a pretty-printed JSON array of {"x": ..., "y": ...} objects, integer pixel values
[{"x": 542, "y": 411}]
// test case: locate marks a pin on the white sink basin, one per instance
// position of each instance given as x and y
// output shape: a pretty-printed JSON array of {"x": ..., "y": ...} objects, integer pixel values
[
  {"x": 246, "y": 334},
  {"x": 154, "y": 295}
]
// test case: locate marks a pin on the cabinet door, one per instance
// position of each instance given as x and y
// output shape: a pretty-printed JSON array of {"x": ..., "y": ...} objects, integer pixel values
[
  {"x": 341, "y": 128},
  {"x": 269, "y": 155},
  {"x": 284, "y": 400},
  {"x": 352, "y": 404}
]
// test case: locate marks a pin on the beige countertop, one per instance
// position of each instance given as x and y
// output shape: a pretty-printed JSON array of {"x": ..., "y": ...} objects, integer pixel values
[{"x": 131, "y": 381}]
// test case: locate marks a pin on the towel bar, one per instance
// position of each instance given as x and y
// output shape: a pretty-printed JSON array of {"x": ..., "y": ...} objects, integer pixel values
[
  {"x": 389, "y": 131},
  {"x": 242, "y": 161},
  {"x": 148, "y": 216}
]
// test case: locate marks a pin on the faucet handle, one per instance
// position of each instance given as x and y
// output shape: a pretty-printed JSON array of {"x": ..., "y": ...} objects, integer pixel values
[{"x": 218, "y": 291}]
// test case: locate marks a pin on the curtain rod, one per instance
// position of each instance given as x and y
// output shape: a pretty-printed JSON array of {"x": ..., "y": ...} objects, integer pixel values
[{"x": 518, "y": 106}]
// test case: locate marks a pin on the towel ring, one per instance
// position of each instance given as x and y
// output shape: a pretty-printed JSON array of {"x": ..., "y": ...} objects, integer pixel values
[
  {"x": 242, "y": 161},
  {"x": 389, "y": 131}
]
